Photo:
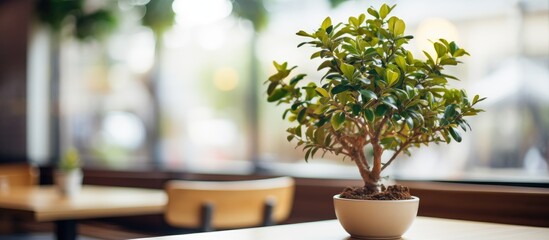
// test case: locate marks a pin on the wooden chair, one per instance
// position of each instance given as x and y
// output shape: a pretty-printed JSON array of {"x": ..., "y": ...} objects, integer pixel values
[
  {"x": 18, "y": 174},
  {"x": 14, "y": 175},
  {"x": 206, "y": 205}
]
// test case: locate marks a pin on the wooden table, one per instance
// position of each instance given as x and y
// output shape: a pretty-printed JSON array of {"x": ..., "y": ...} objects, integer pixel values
[
  {"x": 45, "y": 203},
  {"x": 423, "y": 228}
]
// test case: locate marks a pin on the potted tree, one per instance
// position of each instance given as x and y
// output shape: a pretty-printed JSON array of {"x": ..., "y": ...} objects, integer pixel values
[
  {"x": 68, "y": 175},
  {"x": 375, "y": 94}
]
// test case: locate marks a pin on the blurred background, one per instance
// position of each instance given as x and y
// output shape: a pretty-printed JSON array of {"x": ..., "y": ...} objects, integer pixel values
[{"x": 178, "y": 84}]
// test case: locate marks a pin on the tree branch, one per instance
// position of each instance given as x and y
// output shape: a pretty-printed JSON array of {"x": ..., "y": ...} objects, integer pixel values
[
  {"x": 380, "y": 128},
  {"x": 394, "y": 156},
  {"x": 402, "y": 147}
]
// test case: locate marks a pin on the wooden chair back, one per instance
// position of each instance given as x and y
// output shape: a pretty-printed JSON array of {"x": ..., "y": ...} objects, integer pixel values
[
  {"x": 211, "y": 205},
  {"x": 18, "y": 174}
]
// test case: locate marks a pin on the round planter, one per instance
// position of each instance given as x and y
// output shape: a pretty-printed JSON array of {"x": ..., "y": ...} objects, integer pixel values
[
  {"x": 69, "y": 182},
  {"x": 375, "y": 219}
]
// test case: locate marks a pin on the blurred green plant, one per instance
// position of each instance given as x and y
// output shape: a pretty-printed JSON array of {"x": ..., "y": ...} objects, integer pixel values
[
  {"x": 88, "y": 25},
  {"x": 375, "y": 92},
  {"x": 70, "y": 160},
  {"x": 253, "y": 10},
  {"x": 159, "y": 16},
  {"x": 336, "y": 3}
]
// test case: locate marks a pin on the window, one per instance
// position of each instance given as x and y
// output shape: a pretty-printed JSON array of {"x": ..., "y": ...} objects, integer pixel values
[{"x": 204, "y": 88}]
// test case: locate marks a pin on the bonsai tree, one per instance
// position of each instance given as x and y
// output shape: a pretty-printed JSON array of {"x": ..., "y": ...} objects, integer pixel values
[{"x": 374, "y": 93}]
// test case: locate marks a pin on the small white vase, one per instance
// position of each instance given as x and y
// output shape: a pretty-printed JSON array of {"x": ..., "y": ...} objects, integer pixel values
[
  {"x": 375, "y": 219},
  {"x": 69, "y": 183}
]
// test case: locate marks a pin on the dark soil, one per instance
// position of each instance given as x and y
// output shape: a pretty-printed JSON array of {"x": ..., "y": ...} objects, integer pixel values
[{"x": 394, "y": 192}]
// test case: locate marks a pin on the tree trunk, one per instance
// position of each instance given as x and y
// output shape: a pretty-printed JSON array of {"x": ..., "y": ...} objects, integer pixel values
[
  {"x": 370, "y": 184},
  {"x": 375, "y": 173}
]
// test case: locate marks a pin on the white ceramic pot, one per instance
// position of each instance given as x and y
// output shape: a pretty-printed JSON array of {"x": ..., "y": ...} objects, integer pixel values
[
  {"x": 376, "y": 219},
  {"x": 69, "y": 182}
]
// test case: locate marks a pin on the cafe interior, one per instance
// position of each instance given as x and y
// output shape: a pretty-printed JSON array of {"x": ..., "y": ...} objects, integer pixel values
[{"x": 161, "y": 106}]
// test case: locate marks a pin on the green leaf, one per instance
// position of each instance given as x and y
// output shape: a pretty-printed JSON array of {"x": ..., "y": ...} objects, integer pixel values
[
  {"x": 307, "y": 154},
  {"x": 314, "y": 152},
  {"x": 325, "y": 64},
  {"x": 285, "y": 113},
  {"x": 396, "y": 26},
  {"x": 277, "y": 95},
  {"x": 401, "y": 62},
  {"x": 320, "y": 135},
  {"x": 453, "y": 47},
  {"x": 391, "y": 76},
  {"x": 329, "y": 29},
  {"x": 450, "y": 111},
  {"x": 430, "y": 59},
  {"x": 356, "y": 109},
  {"x": 365, "y": 80},
  {"x": 448, "y": 61},
  {"x": 463, "y": 124},
  {"x": 353, "y": 21},
  {"x": 326, "y": 23},
  {"x": 315, "y": 55},
  {"x": 446, "y": 137},
  {"x": 381, "y": 110},
  {"x": 337, "y": 120},
  {"x": 400, "y": 26},
  {"x": 410, "y": 122},
  {"x": 367, "y": 94},
  {"x": 348, "y": 71},
  {"x": 475, "y": 99},
  {"x": 298, "y": 131},
  {"x": 440, "y": 49},
  {"x": 341, "y": 32},
  {"x": 350, "y": 49},
  {"x": 373, "y": 12},
  {"x": 304, "y": 34},
  {"x": 460, "y": 52},
  {"x": 280, "y": 67},
  {"x": 310, "y": 92},
  {"x": 361, "y": 18},
  {"x": 301, "y": 44},
  {"x": 383, "y": 11},
  {"x": 369, "y": 114},
  {"x": 335, "y": 76},
  {"x": 442, "y": 40},
  {"x": 341, "y": 88},
  {"x": 301, "y": 115},
  {"x": 387, "y": 141},
  {"x": 455, "y": 134},
  {"x": 439, "y": 80},
  {"x": 322, "y": 121},
  {"x": 297, "y": 78},
  {"x": 272, "y": 87},
  {"x": 409, "y": 57},
  {"x": 290, "y": 138},
  {"x": 296, "y": 105},
  {"x": 322, "y": 92},
  {"x": 389, "y": 101},
  {"x": 310, "y": 132}
]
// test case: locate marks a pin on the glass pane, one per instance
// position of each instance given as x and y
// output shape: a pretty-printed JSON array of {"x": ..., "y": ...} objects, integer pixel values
[
  {"x": 196, "y": 87},
  {"x": 509, "y": 64}
]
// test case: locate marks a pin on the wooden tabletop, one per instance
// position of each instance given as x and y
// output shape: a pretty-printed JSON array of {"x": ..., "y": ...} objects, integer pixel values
[
  {"x": 45, "y": 203},
  {"x": 423, "y": 228}
]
